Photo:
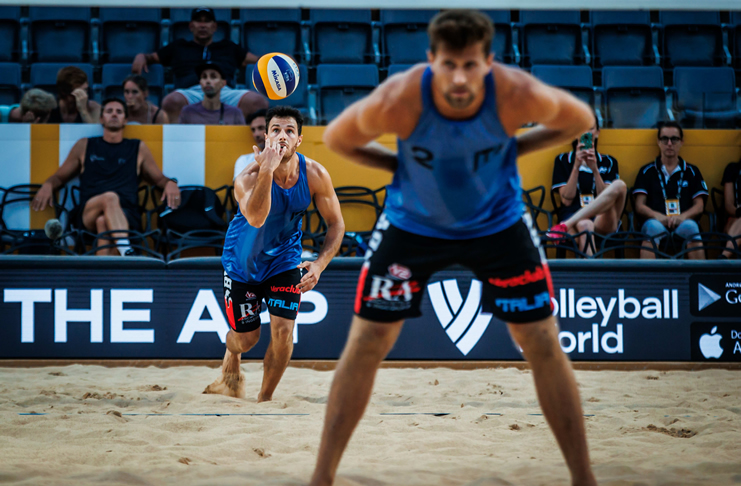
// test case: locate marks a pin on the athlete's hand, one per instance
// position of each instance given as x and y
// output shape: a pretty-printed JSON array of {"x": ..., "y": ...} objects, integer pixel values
[
  {"x": 311, "y": 278},
  {"x": 43, "y": 198},
  {"x": 270, "y": 157}
]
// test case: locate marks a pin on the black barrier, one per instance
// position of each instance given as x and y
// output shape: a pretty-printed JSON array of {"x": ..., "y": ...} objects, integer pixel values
[{"x": 138, "y": 308}]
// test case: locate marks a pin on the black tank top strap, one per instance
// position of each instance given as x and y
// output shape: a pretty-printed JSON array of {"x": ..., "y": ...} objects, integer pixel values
[{"x": 156, "y": 114}]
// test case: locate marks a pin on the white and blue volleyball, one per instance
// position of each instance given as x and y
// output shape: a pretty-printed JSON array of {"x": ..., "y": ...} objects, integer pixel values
[{"x": 275, "y": 75}]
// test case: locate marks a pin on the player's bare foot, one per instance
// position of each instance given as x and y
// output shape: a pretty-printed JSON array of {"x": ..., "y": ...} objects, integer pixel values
[
  {"x": 229, "y": 384},
  {"x": 264, "y": 398}
]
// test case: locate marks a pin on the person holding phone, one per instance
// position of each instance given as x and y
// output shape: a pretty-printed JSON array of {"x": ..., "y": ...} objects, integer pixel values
[{"x": 591, "y": 192}]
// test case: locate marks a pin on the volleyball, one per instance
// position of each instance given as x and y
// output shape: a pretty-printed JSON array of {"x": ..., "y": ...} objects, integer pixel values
[{"x": 275, "y": 75}]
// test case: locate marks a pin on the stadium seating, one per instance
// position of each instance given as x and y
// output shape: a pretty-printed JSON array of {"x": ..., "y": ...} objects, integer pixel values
[
  {"x": 405, "y": 35},
  {"x": 113, "y": 74},
  {"x": 44, "y": 75},
  {"x": 634, "y": 96},
  {"x": 59, "y": 34},
  {"x": 576, "y": 79},
  {"x": 692, "y": 38},
  {"x": 397, "y": 68},
  {"x": 342, "y": 36},
  {"x": 552, "y": 37},
  {"x": 501, "y": 44},
  {"x": 273, "y": 30},
  {"x": 180, "y": 20},
  {"x": 125, "y": 32},
  {"x": 342, "y": 84},
  {"x": 10, "y": 83},
  {"x": 735, "y": 28},
  {"x": 621, "y": 38},
  {"x": 10, "y": 27},
  {"x": 706, "y": 97}
]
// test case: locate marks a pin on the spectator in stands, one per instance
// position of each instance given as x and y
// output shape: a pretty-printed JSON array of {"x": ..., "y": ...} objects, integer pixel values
[
  {"x": 109, "y": 168},
  {"x": 732, "y": 202},
  {"x": 211, "y": 111},
  {"x": 184, "y": 56},
  {"x": 36, "y": 106},
  {"x": 670, "y": 194},
  {"x": 592, "y": 194},
  {"x": 74, "y": 105},
  {"x": 256, "y": 121},
  {"x": 141, "y": 110}
]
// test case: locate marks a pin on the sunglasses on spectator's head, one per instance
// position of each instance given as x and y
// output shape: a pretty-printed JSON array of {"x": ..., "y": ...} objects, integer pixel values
[{"x": 666, "y": 140}]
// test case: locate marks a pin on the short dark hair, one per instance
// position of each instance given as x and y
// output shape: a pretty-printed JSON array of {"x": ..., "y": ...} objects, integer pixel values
[
  {"x": 285, "y": 112},
  {"x": 114, "y": 100},
  {"x": 669, "y": 124},
  {"x": 138, "y": 80},
  {"x": 458, "y": 29},
  {"x": 251, "y": 117}
]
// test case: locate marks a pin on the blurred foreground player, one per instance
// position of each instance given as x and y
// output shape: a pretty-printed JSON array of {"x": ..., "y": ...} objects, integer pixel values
[{"x": 455, "y": 198}]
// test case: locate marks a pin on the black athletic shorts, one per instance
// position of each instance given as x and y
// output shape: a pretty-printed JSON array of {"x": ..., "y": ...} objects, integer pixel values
[
  {"x": 132, "y": 216},
  {"x": 244, "y": 301},
  {"x": 515, "y": 282}
]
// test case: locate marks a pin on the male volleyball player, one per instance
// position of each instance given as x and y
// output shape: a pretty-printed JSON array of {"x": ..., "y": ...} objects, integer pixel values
[
  {"x": 262, "y": 251},
  {"x": 455, "y": 198}
]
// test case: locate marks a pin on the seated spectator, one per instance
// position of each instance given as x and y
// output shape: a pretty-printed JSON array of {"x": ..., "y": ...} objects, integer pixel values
[
  {"x": 670, "y": 194},
  {"x": 592, "y": 194},
  {"x": 36, "y": 106},
  {"x": 74, "y": 105},
  {"x": 256, "y": 121},
  {"x": 185, "y": 55},
  {"x": 109, "y": 168},
  {"x": 141, "y": 110},
  {"x": 210, "y": 110},
  {"x": 732, "y": 202}
]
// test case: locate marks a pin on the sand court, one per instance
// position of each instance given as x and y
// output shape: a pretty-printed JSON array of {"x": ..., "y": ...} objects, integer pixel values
[{"x": 87, "y": 425}]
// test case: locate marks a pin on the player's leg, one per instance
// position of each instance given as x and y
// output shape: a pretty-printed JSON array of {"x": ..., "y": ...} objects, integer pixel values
[
  {"x": 277, "y": 355},
  {"x": 557, "y": 393},
  {"x": 607, "y": 221},
  {"x": 367, "y": 345},
  {"x": 608, "y": 205},
  {"x": 107, "y": 205}
]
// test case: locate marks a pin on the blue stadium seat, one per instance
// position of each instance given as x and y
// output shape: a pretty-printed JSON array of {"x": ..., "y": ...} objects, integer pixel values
[
  {"x": 114, "y": 74},
  {"x": 10, "y": 27},
  {"x": 397, "y": 68},
  {"x": 501, "y": 44},
  {"x": 125, "y": 32},
  {"x": 736, "y": 42},
  {"x": 299, "y": 99},
  {"x": 341, "y": 36},
  {"x": 634, "y": 96},
  {"x": 180, "y": 20},
  {"x": 706, "y": 97},
  {"x": 10, "y": 83},
  {"x": 60, "y": 34},
  {"x": 342, "y": 84},
  {"x": 576, "y": 79},
  {"x": 267, "y": 30},
  {"x": 621, "y": 38},
  {"x": 44, "y": 75},
  {"x": 551, "y": 37},
  {"x": 405, "y": 38},
  {"x": 692, "y": 38}
]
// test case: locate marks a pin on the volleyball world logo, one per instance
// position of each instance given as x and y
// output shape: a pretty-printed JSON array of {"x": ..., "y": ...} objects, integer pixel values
[{"x": 463, "y": 321}]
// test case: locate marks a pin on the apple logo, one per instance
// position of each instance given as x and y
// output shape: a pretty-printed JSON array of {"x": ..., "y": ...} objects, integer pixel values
[{"x": 710, "y": 344}]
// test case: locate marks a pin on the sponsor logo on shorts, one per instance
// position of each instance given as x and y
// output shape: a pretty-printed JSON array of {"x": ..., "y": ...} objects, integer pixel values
[
  {"x": 526, "y": 278},
  {"x": 283, "y": 305},
  {"x": 388, "y": 294},
  {"x": 524, "y": 304},
  {"x": 400, "y": 271},
  {"x": 291, "y": 290},
  {"x": 248, "y": 311},
  {"x": 250, "y": 295},
  {"x": 463, "y": 321}
]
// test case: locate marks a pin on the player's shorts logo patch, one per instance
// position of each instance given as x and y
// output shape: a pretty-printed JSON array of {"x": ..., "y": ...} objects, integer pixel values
[
  {"x": 400, "y": 271},
  {"x": 526, "y": 278},
  {"x": 291, "y": 290},
  {"x": 250, "y": 295}
]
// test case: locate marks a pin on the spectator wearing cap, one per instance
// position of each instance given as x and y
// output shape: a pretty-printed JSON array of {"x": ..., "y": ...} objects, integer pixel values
[
  {"x": 211, "y": 110},
  {"x": 732, "y": 202},
  {"x": 670, "y": 194},
  {"x": 141, "y": 110},
  {"x": 72, "y": 96},
  {"x": 36, "y": 106},
  {"x": 256, "y": 121},
  {"x": 185, "y": 55}
]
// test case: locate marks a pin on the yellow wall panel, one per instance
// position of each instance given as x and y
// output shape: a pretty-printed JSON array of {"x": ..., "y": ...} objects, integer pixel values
[
  {"x": 224, "y": 145},
  {"x": 44, "y": 162}
]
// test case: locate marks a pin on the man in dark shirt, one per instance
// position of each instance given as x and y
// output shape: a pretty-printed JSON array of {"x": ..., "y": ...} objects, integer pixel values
[
  {"x": 670, "y": 194},
  {"x": 591, "y": 192},
  {"x": 211, "y": 111},
  {"x": 109, "y": 168},
  {"x": 732, "y": 202},
  {"x": 185, "y": 55}
]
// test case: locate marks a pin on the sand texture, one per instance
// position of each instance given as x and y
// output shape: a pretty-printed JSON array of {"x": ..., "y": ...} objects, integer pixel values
[{"x": 644, "y": 428}]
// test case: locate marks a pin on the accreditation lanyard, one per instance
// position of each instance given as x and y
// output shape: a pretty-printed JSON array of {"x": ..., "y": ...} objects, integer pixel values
[
  {"x": 221, "y": 115},
  {"x": 587, "y": 198},
  {"x": 671, "y": 205}
]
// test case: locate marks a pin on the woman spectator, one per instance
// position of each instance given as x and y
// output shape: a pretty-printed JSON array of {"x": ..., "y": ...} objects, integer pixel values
[
  {"x": 141, "y": 111},
  {"x": 732, "y": 202}
]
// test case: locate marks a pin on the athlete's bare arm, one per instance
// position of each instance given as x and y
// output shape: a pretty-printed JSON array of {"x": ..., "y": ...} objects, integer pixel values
[
  {"x": 522, "y": 99},
  {"x": 393, "y": 107},
  {"x": 70, "y": 168},
  {"x": 152, "y": 174},
  {"x": 253, "y": 186}
]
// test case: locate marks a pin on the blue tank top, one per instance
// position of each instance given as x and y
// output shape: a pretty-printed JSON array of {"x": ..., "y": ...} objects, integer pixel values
[
  {"x": 456, "y": 179},
  {"x": 252, "y": 255}
]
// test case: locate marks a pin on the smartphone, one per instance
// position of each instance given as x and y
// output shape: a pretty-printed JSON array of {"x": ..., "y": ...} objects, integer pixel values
[{"x": 586, "y": 141}]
